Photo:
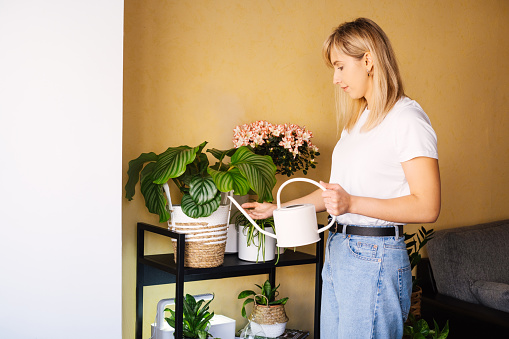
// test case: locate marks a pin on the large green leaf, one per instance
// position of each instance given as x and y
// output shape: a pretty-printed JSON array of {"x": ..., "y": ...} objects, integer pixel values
[
  {"x": 193, "y": 210},
  {"x": 219, "y": 155},
  {"x": 202, "y": 189},
  {"x": 155, "y": 199},
  {"x": 230, "y": 180},
  {"x": 172, "y": 163},
  {"x": 133, "y": 172},
  {"x": 259, "y": 171}
]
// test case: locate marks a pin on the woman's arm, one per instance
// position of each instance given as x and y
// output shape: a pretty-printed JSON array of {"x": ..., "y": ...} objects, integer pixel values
[
  {"x": 422, "y": 205},
  {"x": 262, "y": 211}
]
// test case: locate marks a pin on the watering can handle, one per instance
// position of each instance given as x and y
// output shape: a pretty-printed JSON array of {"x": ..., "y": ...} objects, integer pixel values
[
  {"x": 250, "y": 219},
  {"x": 311, "y": 182}
]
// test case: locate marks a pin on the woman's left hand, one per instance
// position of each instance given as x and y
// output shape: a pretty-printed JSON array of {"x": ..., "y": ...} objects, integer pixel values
[{"x": 337, "y": 200}]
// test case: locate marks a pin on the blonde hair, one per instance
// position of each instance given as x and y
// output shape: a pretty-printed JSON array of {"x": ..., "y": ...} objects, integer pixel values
[{"x": 355, "y": 39}]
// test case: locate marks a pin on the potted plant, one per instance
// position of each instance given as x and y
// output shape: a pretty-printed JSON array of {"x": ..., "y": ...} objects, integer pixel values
[
  {"x": 253, "y": 245},
  {"x": 291, "y": 150},
  {"x": 419, "y": 329},
  {"x": 196, "y": 318},
  {"x": 201, "y": 186},
  {"x": 414, "y": 243},
  {"x": 268, "y": 315}
]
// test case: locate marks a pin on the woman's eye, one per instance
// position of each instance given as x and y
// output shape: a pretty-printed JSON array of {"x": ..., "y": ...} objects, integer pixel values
[{"x": 340, "y": 68}]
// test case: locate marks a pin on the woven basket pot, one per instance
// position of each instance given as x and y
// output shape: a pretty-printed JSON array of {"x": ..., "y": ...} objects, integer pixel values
[
  {"x": 271, "y": 319},
  {"x": 205, "y": 237},
  {"x": 415, "y": 302}
]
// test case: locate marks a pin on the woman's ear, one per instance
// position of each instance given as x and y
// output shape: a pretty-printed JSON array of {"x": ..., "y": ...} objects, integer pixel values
[{"x": 368, "y": 61}]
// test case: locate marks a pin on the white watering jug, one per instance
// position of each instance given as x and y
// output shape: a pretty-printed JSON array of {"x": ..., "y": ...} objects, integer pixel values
[{"x": 295, "y": 225}]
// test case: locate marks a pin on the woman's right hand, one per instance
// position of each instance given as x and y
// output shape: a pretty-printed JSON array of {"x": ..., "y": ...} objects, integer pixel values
[{"x": 258, "y": 210}]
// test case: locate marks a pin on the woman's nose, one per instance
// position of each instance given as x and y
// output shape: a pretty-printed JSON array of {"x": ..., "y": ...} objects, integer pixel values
[{"x": 336, "y": 79}]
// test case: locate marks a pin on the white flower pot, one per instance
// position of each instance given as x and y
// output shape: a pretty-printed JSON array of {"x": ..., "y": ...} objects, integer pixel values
[{"x": 254, "y": 252}]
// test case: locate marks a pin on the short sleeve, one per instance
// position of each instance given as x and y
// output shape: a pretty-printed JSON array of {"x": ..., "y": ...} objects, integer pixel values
[{"x": 414, "y": 135}]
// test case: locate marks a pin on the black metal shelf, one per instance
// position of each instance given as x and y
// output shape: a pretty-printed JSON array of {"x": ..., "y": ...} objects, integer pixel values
[{"x": 162, "y": 269}]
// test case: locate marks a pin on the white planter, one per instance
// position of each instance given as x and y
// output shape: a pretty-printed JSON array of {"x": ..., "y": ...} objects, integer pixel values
[
  {"x": 232, "y": 240},
  {"x": 253, "y": 252},
  {"x": 271, "y": 331}
]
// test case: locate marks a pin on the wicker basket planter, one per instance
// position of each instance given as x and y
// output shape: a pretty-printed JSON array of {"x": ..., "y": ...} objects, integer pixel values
[
  {"x": 205, "y": 237},
  {"x": 270, "y": 319},
  {"x": 415, "y": 302}
]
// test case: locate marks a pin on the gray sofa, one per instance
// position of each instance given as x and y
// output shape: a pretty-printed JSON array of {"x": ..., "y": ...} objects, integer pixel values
[{"x": 466, "y": 280}]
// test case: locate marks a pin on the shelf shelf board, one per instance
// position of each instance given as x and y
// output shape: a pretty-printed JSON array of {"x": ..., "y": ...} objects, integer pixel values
[{"x": 232, "y": 266}]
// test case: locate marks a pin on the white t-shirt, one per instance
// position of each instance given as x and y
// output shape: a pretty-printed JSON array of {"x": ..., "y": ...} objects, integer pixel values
[{"x": 369, "y": 164}]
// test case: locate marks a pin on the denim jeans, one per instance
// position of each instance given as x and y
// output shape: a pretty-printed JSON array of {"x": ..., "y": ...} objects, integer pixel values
[{"x": 367, "y": 284}]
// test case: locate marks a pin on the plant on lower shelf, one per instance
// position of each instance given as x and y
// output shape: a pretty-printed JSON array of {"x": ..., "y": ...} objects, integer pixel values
[
  {"x": 196, "y": 318},
  {"x": 419, "y": 329},
  {"x": 267, "y": 296}
]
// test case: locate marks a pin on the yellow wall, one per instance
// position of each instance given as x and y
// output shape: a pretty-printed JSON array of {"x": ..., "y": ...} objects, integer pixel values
[{"x": 193, "y": 70}]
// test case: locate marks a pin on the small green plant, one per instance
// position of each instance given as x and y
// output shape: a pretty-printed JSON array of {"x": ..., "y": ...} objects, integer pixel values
[
  {"x": 419, "y": 329},
  {"x": 267, "y": 291},
  {"x": 196, "y": 318},
  {"x": 414, "y": 243}
]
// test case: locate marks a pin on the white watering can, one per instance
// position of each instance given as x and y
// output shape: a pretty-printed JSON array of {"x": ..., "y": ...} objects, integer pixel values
[{"x": 296, "y": 225}]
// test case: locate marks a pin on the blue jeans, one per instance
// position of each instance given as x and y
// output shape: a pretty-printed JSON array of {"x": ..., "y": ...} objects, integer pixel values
[{"x": 367, "y": 282}]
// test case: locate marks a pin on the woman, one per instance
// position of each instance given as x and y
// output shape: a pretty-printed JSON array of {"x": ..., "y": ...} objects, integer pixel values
[{"x": 384, "y": 174}]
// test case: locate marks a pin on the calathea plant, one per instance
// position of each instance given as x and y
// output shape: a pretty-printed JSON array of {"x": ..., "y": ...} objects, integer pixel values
[
  {"x": 200, "y": 184},
  {"x": 196, "y": 318}
]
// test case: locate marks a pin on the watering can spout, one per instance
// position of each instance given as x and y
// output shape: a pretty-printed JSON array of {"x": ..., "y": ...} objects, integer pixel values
[{"x": 250, "y": 219}]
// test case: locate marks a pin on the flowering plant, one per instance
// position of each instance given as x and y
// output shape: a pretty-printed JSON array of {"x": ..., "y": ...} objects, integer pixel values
[{"x": 288, "y": 145}]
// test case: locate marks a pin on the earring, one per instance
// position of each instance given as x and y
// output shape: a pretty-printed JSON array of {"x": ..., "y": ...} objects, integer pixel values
[{"x": 368, "y": 72}]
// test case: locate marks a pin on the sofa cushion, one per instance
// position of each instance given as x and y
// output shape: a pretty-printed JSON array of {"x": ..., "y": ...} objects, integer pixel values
[
  {"x": 461, "y": 256},
  {"x": 491, "y": 294}
]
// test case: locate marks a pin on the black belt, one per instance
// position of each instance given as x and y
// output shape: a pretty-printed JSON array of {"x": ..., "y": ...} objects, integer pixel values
[{"x": 367, "y": 231}]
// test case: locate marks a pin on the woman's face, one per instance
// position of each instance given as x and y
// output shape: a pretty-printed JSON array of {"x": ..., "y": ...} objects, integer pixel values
[{"x": 351, "y": 74}]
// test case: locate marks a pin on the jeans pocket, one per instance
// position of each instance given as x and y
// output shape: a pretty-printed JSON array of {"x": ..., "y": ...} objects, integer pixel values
[
  {"x": 405, "y": 289},
  {"x": 363, "y": 249}
]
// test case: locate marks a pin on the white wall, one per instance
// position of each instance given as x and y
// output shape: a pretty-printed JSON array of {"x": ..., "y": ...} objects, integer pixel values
[{"x": 60, "y": 168}]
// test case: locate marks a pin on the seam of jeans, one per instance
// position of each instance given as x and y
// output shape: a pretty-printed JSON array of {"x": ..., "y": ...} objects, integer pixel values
[{"x": 379, "y": 285}]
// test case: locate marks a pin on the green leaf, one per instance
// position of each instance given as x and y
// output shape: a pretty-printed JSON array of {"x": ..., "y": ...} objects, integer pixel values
[
  {"x": 155, "y": 200},
  {"x": 133, "y": 172},
  {"x": 267, "y": 290},
  {"x": 193, "y": 210},
  {"x": 230, "y": 180},
  {"x": 202, "y": 189},
  {"x": 259, "y": 171},
  {"x": 281, "y": 301},
  {"x": 219, "y": 155},
  {"x": 246, "y": 293},
  {"x": 172, "y": 163},
  {"x": 243, "y": 311},
  {"x": 170, "y": 322}
]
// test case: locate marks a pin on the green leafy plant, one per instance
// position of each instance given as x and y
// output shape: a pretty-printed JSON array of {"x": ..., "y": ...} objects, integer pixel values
[
  {"x": 414, "y": 243},
  {"x": 267, "y": 291},
  {"x": 419, "y": 329},
  {"x": 200, "y": 184},
  {"x": 196, "y": 318}
]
